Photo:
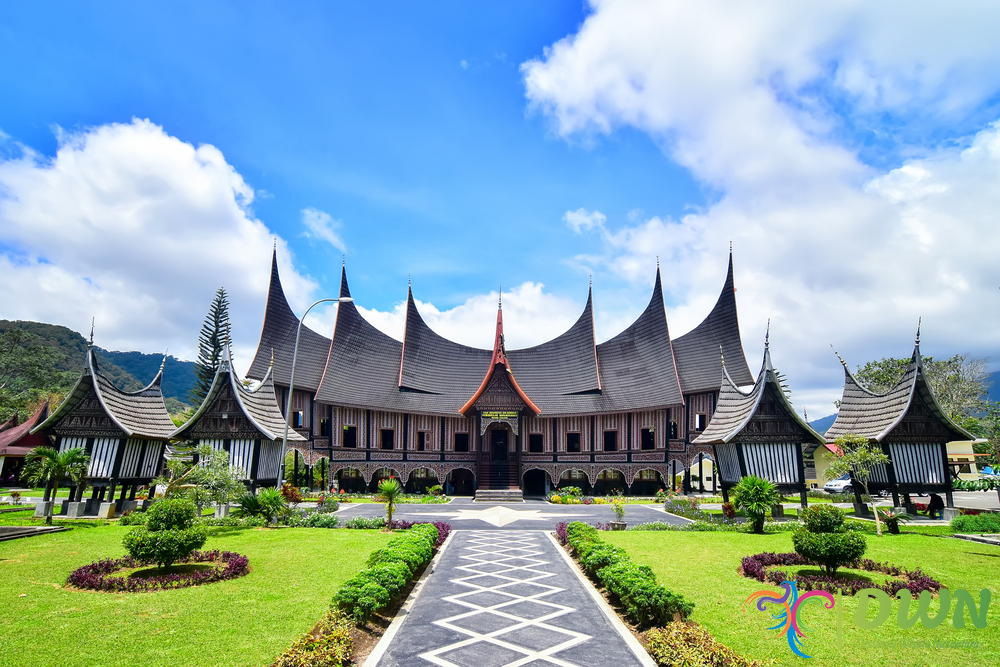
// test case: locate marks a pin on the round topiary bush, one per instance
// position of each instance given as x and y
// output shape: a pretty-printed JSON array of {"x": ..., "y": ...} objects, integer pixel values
[
  {"x": 822, "y": 519},
  {"x": 830, "y": 550},
  {"x": 169, "y": 534}
]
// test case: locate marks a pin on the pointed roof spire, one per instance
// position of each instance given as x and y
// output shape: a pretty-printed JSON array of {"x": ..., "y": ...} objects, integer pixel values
[
  {"x": 917, "y": 341},
  {"x": 345, "y": 290},
  {"x": 500, "y": 298},
  {"x": 767, "y": 334},
  {"x": 838, "y": 356},
  {"x": 92, "y": 321},
  {"x": 499, "y": 351}
]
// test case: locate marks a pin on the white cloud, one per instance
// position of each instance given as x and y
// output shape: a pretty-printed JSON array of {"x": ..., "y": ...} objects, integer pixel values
[
  {"x": 137, "y": 229},
  {"x": 530, "y": 315},
  {"x": 580, "y": 220},
  {"x": 828, "y": 247},
  {"x": 321, "y": 226}
]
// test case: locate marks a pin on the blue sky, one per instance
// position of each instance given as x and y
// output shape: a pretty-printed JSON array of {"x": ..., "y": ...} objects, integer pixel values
[{"x": 152, "y": 151}]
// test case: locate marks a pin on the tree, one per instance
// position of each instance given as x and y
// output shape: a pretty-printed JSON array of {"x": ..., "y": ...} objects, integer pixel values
[
  {"x": 756, "y": 496},
  {"x": 29, "y": 374},
  {"x": 214, "y": 335},
  {"x": 390, "y": 490},
  {"x": 859, "y": 457},
  {"x": 211, "y": 479},
  {"x": 170, "y": 534},
  {"x": 45, "y": 466}
]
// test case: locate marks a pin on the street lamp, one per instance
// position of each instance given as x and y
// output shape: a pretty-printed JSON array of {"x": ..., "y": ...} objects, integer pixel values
[{"x": 291, "y": 384}]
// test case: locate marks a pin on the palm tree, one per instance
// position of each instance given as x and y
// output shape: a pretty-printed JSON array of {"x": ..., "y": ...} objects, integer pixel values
[
  {"x": 45, "y": 466},
  {"x": 390, "y": 490},
  {"x": 756, "y": 496}
]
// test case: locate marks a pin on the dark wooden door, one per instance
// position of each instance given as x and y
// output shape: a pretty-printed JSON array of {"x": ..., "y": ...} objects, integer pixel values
[{"x": 498, "y": 445}]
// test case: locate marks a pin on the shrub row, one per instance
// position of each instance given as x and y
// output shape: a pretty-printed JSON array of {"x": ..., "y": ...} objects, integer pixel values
[
  {"x": 687, "y": 643},
  {"x": 388, "y": 570},
  {"x": 234, "y": 521},
  {"x": 646, "y": 602},
  {"x": 979, "y": 523},
  {"x": 329, "y": 644}
]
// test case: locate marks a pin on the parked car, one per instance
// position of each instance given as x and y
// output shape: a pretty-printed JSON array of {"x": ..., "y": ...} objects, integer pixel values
[{"x": 840, "y": 485}]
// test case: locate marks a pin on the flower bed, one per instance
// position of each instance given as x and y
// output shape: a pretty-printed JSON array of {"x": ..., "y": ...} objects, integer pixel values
[
  {"x": 755, "y": 567},
  {"x": 99, "y": 576}
]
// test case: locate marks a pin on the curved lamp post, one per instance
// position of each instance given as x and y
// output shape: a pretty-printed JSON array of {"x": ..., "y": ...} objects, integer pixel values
[{"x": 291, "y": 384}]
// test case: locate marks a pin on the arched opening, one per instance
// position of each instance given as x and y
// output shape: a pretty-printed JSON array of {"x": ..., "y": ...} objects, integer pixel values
[
  {"x": 536, "y": 483},
  {"x": 577, "y": 478},
  {"x": 676, "y": 474},
  {"x": 647, "y": 483},
  {"x": 350, "y": 480},
  {"x": 420, "y": 480},
  {"x": 460, "y": 482},
  {"x": 380, "y": 475},
  {"x": 321, "y": 475},
  {"x": 703, "y": 477},
  {"x": 610, "y": 482}
]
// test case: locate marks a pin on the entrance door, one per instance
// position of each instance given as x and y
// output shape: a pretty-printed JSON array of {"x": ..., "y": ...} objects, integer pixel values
[{"x": 498, "y": 445}]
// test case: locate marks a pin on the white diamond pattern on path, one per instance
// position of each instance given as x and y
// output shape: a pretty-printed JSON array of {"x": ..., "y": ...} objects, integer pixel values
[{"x": 507, "y": 622}]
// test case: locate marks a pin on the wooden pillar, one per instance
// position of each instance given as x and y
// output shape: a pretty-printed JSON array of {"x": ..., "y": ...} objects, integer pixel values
[
  {"x": 701, "y": 472},
  {"x": 295, "y": 474}
]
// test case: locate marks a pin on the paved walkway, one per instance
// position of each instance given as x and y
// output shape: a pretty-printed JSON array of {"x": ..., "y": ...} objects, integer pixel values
[
  {"x": 463, "y": 513},
  {"x": 507, "y": 598}
]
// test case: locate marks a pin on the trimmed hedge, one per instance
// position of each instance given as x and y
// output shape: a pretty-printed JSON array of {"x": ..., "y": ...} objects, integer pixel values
[
  {"x": 831, "y": 550},
  {"x": 978, "y": 523},
  {"x": 646, "y": 602},
  {"x": 329, "y": 644},
  {"x": 388, "y": 572}
]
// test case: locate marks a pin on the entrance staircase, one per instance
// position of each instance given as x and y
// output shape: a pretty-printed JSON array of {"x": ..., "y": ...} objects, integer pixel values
[{"x": 499, "y": 483}]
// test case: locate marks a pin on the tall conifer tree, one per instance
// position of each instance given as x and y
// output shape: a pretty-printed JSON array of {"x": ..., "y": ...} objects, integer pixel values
[{"x": 214, "y": 334}]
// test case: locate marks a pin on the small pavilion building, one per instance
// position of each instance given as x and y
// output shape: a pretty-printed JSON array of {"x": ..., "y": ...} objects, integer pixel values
[
  {"x": 125, "y": 433},
  {"x": 245, "y": 423},
  {"x": 759, "y": 433},
  {"x": 911, "y": 428},
  {"x": 16, "y": 440}
]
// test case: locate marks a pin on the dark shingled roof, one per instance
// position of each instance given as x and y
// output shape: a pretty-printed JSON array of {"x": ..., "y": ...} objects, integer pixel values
[
  {"x": 735, "y": 409},
  {"x": 637, "y": 367},
  {"x": 141, "y": 413},
  {"x": 278, "y": 336},
  {"x": 435, "y": 365},
  {"x": 697, "y": 352},
  {"x": 260, "y": 406},
  {"x": 874, "y": 416}
]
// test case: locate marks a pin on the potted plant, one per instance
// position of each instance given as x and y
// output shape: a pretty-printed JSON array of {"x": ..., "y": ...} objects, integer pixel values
[
  {"x": 892, "y": 518},
  {"x": 618, "y": 507}
]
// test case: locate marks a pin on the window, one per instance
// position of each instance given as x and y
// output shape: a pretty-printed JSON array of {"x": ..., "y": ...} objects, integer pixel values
[
  {"x": 647, "y": 440},
  {"x": 649, "y": 475},
  {"x": 388, "y": 438},
  {"x": 324, "y": 427},
  {"x": 700, "y": 422},
  {"x": 535, "y": 442},
  {"x": 461, "y": 442},
  {"x": 611, "y": 441},
  {"x": 421, "y": 440},
  {"x": 673, "y": 430},
  {"x": 297, "y": 419},
  {"x": 350, "y": 436},
  {"x": 419, "y": 473},
  {"x": 572, "y": 442}
]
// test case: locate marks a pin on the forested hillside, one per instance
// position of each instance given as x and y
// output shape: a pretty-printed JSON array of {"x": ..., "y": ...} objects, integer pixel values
[{"x": 128, "y": 370}]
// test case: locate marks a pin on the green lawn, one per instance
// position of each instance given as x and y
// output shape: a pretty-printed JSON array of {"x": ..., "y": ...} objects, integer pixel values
[
  {"x": 245, "y": 621},
  {"x": 703, "y": 567}
]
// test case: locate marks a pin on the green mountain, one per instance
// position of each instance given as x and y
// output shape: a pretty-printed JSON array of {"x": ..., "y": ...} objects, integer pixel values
[{"x": 129, "y": 371}]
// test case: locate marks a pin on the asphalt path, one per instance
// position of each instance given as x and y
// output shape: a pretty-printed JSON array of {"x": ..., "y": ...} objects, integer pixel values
[{"x": 465, "y": 514}]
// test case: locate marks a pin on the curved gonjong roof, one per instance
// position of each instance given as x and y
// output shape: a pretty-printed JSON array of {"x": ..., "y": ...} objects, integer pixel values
[
  {"x": 863, "y": 412},
  {"x": 736, "y": 408},
  {"x": 138, "y": 413},
  {"x": 260, "y": 406},
  {"x": 277, "y": 338},
  {"x": 697, "y": 352},
  {"x": 639, "y": 369}
]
